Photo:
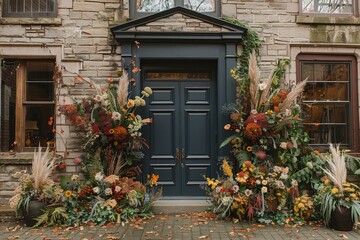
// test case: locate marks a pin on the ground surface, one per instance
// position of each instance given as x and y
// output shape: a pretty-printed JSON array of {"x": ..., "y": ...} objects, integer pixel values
[{"x": 184, "y": 226}]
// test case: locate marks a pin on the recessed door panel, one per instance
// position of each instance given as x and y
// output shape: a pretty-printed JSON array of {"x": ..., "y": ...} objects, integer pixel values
[{"x": 197, "y": 135}]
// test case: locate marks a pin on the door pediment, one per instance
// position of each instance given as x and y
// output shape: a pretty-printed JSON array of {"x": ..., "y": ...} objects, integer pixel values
[{"x": 179, "y": 24}]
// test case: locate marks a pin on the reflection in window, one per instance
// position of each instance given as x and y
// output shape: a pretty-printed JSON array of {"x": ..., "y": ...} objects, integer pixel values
[
  {"x": 154, "y": 5},
  {"x": 328, "y": 6},
  {"x": 161, "y": 5},
  {"x": 326, "y": 101},
  {"x": 200, "y": 5}
]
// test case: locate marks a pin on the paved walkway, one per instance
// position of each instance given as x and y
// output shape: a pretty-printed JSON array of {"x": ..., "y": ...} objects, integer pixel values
[{"x": 184, "y": 226}]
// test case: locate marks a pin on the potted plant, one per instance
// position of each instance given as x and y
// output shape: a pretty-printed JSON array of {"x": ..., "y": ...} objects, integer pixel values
[
  {"x": 36, "y": 190},
  {"x": 353, "y": 169},
  {"x": 340, "y": 200}
]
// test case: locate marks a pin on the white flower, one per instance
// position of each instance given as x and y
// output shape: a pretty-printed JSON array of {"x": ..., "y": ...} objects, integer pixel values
[
  {"x": 143, "y": 103},
  {"x": 226, "y": 200},
  {"x": 137, "y": 102},
  {"x": 286, "y": 170},
  {"x": 288, "y": 112},
  {"x": 284, "y": 176},
  {"x": 264, "y": 182},
  {"x": 108, "y": 191},
  {"x": 294, "y": 183},
  {"x": 280, "y": 184},
  {"x": 117, "y": 189},
  {"x": 99, "y": 176},
  {"x": 253, "y": 111},
  {"x": 283, "y": 145},
  {"x": 310, "y": 165},
  {"x": 258, "y": 182},
  {"x": 235, "y": 188},
  {"x": 248, "y": 192},
  {"x": 74, "y": 177},
  {"x": 218, "y": 189},
  {"x": 148, "y": 90},
  {"x": 98, "y": 98},
  {"x": 264, "y": 189},
  {"x": 262, "y": 86},
  {"x": 116, "y": 116},
  {"x": 96, "y": 190}
]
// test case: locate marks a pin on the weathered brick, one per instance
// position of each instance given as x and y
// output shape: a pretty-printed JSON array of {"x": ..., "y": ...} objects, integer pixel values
[{"x": 88, "y": 6}]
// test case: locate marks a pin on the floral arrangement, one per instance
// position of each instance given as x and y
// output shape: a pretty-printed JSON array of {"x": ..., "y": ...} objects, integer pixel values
[
  {"x": 108, "y": 123},
  {"x": 274, "y": 163},
  {"x": 107, "y": 199},
  {"x": 38, "y": 185},
  {"x": 335, "y": 192},
  {"x": 252, "y": 194}
]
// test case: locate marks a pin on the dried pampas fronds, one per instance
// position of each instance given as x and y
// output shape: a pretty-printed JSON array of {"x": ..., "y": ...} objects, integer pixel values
[
  {"x": 336, "y": 169},
  {"x": 265, "y": 92},
  {"x": 291, "y": 97},
  {"x": 254, "y": 75},
  {"x": 42, "y": 167},
  {"x": 123, "y": 89}
]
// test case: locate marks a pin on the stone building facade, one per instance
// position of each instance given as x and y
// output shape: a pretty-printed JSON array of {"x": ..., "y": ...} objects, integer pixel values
[{"x": 94, "y": 38}]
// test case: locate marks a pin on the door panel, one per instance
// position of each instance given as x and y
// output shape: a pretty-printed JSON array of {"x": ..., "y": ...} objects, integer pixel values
[{"x": 182, "y": 136}]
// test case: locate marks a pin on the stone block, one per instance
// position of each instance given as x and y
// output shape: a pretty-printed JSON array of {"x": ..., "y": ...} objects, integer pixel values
[
  {"x": 12, "y": 30},
  {"x": 65, "y": 3},
  {"x": 84, "y": 49},
  {"x": 228, "y": 10},
  {"x": 88, "y": 6},
  {"x": 292, "y": 7},
  {"x": 75, "y": 15}
]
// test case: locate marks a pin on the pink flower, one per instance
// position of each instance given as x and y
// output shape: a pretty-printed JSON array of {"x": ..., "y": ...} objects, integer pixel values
[{"x": 77, "y": 160}]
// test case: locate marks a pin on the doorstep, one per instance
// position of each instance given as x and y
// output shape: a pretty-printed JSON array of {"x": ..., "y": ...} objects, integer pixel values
[
  {"x": 7, "y": 214},
  {"x": 180, "y": 206}
]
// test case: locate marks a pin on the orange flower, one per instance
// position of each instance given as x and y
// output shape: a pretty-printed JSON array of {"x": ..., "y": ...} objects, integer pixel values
[
  {"x": 68, "y": 194},
  {"x": 276, "y": 108},
  {"x": 136, "y": 69},
  {"x": 316, "y": 124},
  {"x": 120, "y": 133},
  {"x": 317, "y": 152},
  {"x": 227, "y": 127},
  {"x": 296, "y": 117}
]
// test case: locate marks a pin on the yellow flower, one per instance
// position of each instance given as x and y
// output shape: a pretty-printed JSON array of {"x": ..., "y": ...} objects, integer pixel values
[
  {"x": 111, "y": 131},
  {"x": 111, "y": 202},
  {"x": 68, "y": 194},
  {"x": 249, "y": 149},
  {"x": 334, "y": 190},
  {"x": 130, "y": 103},
  {"x": 227, "y": 169}
]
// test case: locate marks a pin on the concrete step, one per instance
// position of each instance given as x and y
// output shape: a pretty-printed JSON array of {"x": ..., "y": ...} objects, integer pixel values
[
  {"x": 7, "y": 214},
  {"x": 180, "y": 206}
]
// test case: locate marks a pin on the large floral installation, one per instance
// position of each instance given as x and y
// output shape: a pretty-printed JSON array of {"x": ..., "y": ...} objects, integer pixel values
[
  {"x": 109, "y": 125},
  {"x": 273, "y": 164}
]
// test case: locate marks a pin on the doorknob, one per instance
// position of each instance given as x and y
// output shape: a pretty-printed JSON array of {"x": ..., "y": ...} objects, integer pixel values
[{"x": 177, "y": 154}]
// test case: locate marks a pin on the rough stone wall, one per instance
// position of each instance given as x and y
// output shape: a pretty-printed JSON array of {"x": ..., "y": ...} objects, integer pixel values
[{"x": 179, "y": 22}]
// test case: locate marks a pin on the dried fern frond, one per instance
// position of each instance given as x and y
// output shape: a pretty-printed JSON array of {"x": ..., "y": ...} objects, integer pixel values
[
  {"x": 291, "y": 97},
  {"x": 336, "y": 169},
  {"x": 42, "y": 167},
  {"x": 254, "y": 76},
  {"x": 123, "y": 89},
  {"x": 265, "y": 92}
]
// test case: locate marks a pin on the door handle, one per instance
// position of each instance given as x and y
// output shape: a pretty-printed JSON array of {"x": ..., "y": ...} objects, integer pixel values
[
  {"x": 177, "y": 154},
  {"x": 182, "y": 157}
]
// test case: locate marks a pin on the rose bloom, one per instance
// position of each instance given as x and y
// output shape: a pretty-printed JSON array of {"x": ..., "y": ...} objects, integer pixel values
[
  {"x": 280, "y": 184},
  {"x": 99, "y": 176},
  {"x": 77, "y": 160},
  {"x": 248, "y": 192},
  {"x": 108, "y": 191},
  {"x": 264, "y": 189},
  {"x": 283, "y": 145},
  {"x": 116, "y": 116},
  {"x": 260, "y": 154},
  {"x": 111, "y": 202},
  {"x": 96, "y": 190},
  {"x": 117, "y": 189},
  {"x": 74, "y": 177},
  {"x": 111, "y": 179},
  {"x": 227, "y": 126},
  {"x": 98, "y": 98},
  {"x": 218, "y": 189},
  {"x": 235, "y": 188}
]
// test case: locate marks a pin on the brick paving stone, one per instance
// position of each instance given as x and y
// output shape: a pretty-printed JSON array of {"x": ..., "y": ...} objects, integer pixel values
[{"x": 172, "y": 227}]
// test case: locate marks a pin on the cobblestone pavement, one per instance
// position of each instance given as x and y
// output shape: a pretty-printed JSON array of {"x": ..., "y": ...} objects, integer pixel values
[{"x": 184, "y": 226}]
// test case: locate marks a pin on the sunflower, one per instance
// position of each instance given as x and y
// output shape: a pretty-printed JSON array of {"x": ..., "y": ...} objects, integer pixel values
[{"x": 68, "y": 194}]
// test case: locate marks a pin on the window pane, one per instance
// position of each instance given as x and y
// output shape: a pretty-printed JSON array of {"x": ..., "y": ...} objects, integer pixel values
[
  {"x": 327, "y": 6},
  {"x": 30, "y": 8},
  {"x": 37, "y": 129},
  {"x": 39, "y": 83},
  {"x": 200, "y": 5},
  {"x": 39, "y": 92},
  {"x": 154, "y": 5},
  {"x": 326, "y": 101}
]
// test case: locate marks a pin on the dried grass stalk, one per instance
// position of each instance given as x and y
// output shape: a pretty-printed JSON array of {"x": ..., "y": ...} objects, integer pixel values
[
  {"x": 254, "y": 76},
  {"x": 336, "y": 169},
  {"x": 123, "y": 89},
  {"x": 265, "y": 92},
  {"x": 42, "y": 167},
  {"x": 291, "y": 97}
]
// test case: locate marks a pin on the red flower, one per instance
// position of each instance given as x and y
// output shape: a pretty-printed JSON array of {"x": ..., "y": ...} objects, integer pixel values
[
  {"x": 253, "y": 131},
  {"x": 259, "y": 118}
]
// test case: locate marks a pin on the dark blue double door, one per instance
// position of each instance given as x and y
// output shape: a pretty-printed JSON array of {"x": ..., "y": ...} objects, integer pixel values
[{"x": 182, "y": 137}]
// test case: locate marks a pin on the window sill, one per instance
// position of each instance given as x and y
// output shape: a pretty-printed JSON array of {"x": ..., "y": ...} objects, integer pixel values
[
  {"x": 16, "y": 158},
  {"x": 328, "y": 20},
  {"x": 28, "y": 21}
]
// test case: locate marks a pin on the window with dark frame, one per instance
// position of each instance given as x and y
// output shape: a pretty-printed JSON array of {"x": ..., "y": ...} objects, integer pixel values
[
  {"x": 330, "y": 100},
  {"x": 141, "y": 8},
  {"x": 30, "y": 8},
  {"x": 27, "y": 104},
  {"x": 328, "y": 7}
]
